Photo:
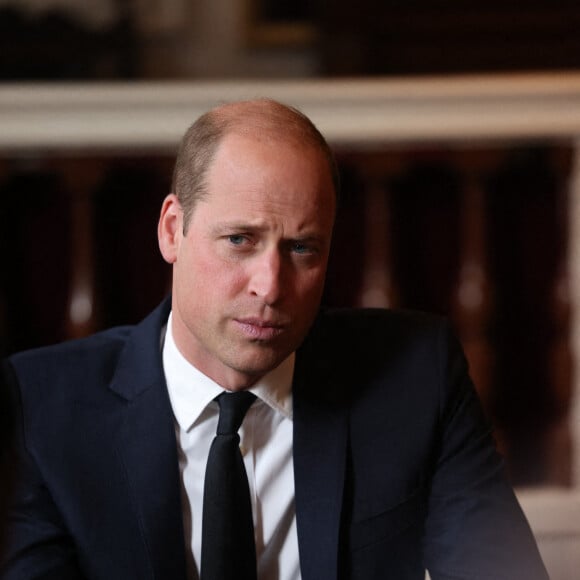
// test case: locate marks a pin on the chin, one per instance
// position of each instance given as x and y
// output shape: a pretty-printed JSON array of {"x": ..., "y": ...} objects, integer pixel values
[{"x": 258, "y": 368}]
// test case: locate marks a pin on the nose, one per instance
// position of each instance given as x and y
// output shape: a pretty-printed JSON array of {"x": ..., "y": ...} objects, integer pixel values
[{"x": 266, "y": 277}]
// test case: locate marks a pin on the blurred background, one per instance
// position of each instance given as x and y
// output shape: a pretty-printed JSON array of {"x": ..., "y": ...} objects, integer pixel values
[{"x": 483, "y": 230}]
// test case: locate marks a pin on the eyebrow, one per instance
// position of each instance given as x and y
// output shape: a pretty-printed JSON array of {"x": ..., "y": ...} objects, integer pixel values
[{"x": 224, "y": 228}]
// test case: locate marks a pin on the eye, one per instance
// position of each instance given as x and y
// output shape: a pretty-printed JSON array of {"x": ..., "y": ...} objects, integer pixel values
[
  {"x": 236, "y": 239},
  {"x": 300, "y": 248}
]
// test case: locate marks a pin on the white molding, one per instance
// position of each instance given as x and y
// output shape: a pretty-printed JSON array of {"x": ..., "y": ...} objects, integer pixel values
[{"x": 143, "y": 115}]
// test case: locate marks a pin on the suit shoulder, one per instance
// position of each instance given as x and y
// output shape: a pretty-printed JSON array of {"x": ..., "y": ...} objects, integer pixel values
[
  {"x": 376, "y": 322},
  {"x": 377, "y": 337},
  {"x": 74, "y": 361},
  {"x": 99, "y": 343}
]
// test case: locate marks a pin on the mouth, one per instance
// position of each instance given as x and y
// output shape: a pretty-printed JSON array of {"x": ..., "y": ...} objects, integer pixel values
[{"x": 259, "y": 329}]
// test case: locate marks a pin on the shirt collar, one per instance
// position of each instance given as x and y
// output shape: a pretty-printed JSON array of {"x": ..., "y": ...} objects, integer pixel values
[{"x": 190, "y": 391}]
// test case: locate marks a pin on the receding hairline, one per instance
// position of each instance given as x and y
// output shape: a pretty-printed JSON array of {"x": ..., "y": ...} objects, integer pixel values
[
  {"x": 265, "y": 118},
  {"x": 261, "y": 119}
]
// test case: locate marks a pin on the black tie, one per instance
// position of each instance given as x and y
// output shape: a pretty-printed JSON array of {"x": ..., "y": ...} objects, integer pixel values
[{"x": 228, "y": 550}]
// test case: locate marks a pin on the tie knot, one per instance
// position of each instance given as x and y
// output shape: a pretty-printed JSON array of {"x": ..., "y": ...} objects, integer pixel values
[{"x": 233, "y": 408}]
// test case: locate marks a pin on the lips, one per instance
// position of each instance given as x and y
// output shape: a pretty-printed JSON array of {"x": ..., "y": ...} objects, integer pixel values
[{"x": 259, "y": 329}]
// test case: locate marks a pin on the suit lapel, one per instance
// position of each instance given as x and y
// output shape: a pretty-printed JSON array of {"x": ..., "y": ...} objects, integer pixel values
[
  {"x": 320, "y": 448},
  {"x": 148, "y": 449}
]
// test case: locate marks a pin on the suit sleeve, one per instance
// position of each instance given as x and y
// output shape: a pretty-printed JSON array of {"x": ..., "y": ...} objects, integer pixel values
[
  {"x": 475, "y": 528},
  {"x": 38, "y": 546}
]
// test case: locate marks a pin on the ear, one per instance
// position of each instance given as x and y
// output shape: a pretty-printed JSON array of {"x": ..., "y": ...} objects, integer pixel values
[{"x": 170, "y": 228}]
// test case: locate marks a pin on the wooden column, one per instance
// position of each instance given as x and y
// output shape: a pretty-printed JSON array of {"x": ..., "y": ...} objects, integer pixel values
[
  {"x": 472, "y": 301},
  {"x": 377, "y": 286},
  {"x": 81, "y": 177},
  {"x": 559, "y": 441},
  {"x": 574, "y": 270}
]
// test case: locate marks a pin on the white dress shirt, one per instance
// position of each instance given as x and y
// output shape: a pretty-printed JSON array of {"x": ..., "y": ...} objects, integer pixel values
[{"x": 266, "y": 444}]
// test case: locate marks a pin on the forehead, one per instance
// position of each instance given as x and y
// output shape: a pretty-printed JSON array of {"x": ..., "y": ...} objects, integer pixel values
[
  {"x": 251, "y": 155},
  {"x": 269, "y": 170}
]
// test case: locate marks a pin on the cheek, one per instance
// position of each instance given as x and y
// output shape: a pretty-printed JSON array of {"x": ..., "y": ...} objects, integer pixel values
[
  {"x": 310, "y": 284},
  {"x": 221, "y": 280},
  {"x": 205, "y": 278}
]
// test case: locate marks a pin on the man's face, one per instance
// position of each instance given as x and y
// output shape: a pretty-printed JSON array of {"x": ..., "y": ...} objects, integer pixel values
[{"x": 248, "y": 275}]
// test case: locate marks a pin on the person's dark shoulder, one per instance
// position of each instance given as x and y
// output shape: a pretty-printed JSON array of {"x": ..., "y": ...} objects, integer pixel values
[
  {"x": 93, "y": 359},
  {"x": 364, "y": 342},
  {"x": 101, "y": 348},
  {"x": 46, "y": 375},
  {"x": 381, "y": 353},
  {"x": 381, "y": 317},
  {"x": 370, "y": 328}
]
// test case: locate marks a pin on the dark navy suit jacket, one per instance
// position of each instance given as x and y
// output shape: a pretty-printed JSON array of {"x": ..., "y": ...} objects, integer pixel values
[{"x": 395, "y": 467}]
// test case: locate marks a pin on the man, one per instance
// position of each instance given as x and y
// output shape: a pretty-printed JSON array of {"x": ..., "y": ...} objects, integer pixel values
[{"x": 366, "y": 452}]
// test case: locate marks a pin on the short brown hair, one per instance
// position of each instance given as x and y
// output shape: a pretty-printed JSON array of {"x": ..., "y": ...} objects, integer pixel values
[{"x": 257, "y": 117}]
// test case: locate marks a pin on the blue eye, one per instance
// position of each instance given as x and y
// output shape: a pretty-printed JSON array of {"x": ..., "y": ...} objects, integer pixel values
[
  {"x": 236, "y": 239},
  {"x": 299, "y": 248}
]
